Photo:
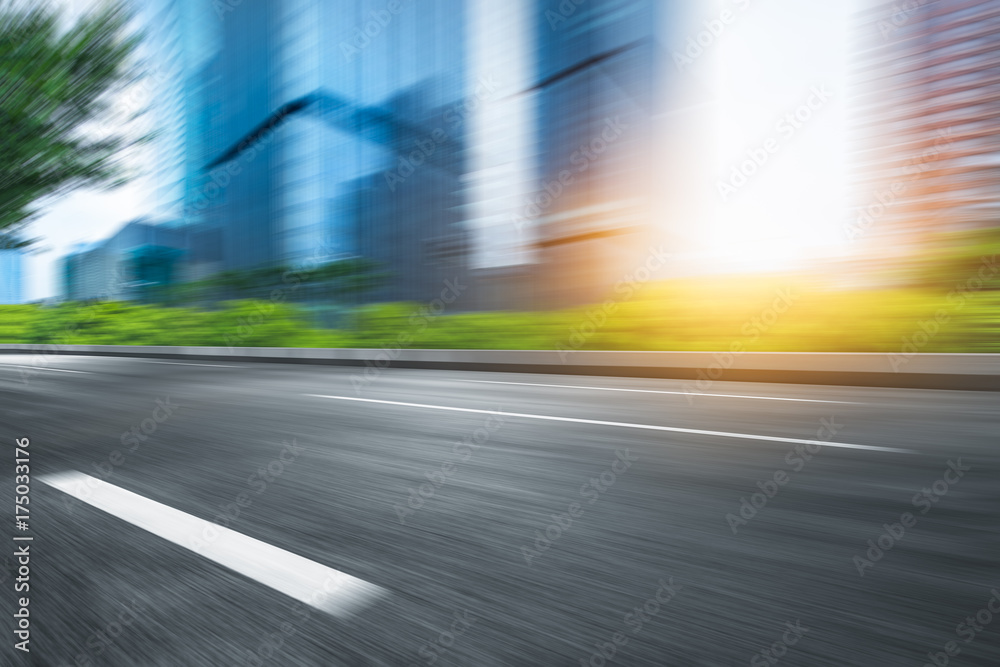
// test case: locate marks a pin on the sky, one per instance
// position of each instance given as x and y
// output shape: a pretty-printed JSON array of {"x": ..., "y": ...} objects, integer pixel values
[
  {"x": 762, "y": 66},
  {"x": 87, "y": 215},
  {"x": 789, "y": 203}
]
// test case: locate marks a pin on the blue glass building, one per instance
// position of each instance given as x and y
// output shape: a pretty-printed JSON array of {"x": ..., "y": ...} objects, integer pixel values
[
  {"x": 138, "y": 258},
  {"x": 520, "y": 138},
  {"x": 11, "y": 277},
  {"x": 604, "y": 78},
  {"x": 310, "y": 116}
]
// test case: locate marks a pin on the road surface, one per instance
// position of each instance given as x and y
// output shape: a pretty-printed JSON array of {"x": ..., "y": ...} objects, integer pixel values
[{"x": 180, "y": 510}]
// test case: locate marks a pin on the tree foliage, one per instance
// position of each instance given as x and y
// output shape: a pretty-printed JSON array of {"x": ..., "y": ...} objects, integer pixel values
[
  {"x": 338, "y": 281},
  {"x": 57, "y": 82}
]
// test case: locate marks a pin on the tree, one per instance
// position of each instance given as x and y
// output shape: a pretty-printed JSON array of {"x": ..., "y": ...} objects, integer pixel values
[
  {"x": 56, "y": 84},
  {"x": 342, "y": 282}
]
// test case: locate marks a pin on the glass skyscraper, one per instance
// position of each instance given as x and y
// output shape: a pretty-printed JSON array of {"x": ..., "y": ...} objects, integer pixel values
[
  {"x": 601, "y": 79},
  {"x": 11, "y": 276},
  {"x": 573, "y": 177},
  {"x": 926, "y": 156},
  {"x": 520, "y": 139},
  {"x": 311, "y": 120}
]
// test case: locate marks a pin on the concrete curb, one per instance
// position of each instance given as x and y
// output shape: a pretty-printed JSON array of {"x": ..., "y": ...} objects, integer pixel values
[{"x": 978, "y": 372}]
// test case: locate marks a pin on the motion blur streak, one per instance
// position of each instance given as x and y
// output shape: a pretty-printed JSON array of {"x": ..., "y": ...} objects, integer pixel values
[
  {"x": 328, "y": 590},
  {"x": 528, "y": 174},
  {"x": 727, "y": 177},
  {"x": 665, "y": 519}
]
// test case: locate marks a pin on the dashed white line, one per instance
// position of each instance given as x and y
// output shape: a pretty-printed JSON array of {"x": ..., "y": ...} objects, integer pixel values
[
  {"x": 43, "y": 368},
  {"x": 314, "y": 584},
  {"x": 182, "y": 363},
  {"x": 596, "y": 422},
  {"x": 661, "y": 391}
]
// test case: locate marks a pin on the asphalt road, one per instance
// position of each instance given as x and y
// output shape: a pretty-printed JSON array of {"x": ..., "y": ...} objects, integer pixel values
[{"x": 482, "y": 528}]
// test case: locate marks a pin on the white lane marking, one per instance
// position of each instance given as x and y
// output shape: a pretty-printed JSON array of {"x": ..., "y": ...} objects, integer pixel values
[
  {"x": 648, "y": 427},
  {"x": 178, "y": 363},
  {"x": 319, "y": 586},
  {"x": 43, "y": 368},
  {"x": 662, "y": 391}
]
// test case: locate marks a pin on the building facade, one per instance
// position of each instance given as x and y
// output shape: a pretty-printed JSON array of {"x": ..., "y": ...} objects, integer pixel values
[
  {"x": 128, "y": 266},
  {"x": 11, "y": 277},
  {"x": 926, "y": 151},
  {"x": 311, "y": 124},
  {"x": 576, "y": 170},
  {"x": 602, "y": 79},
  {"x": 524, "y": 140}
]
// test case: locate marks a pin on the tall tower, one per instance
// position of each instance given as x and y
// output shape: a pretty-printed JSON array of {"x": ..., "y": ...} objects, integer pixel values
[{"x": 926, "y": 152}]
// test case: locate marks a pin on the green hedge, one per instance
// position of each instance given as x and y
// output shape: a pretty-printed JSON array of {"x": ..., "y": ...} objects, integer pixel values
[{"x": 703, "y": 314}]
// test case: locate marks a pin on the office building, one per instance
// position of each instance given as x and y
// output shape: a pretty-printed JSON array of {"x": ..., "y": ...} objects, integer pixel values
[
  {"x": 311, "y": 139},
  {"x": 926, "y": 153},
  {"x": 130, "y": 265},
  {"x": 573, "y": 172},
  {"x": 523, "y": 139},
  {"x": 11, "y": 276}
]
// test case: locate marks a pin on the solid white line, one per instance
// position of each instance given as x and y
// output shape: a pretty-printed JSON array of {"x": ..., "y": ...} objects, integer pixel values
[
  {"x": 319, "y": 586},
  {"x": 43, "y": 368},
  {"x": 182, "y": 363},
  {"x": 662, "y": 391},
  {"x": 648, "y": 427}
]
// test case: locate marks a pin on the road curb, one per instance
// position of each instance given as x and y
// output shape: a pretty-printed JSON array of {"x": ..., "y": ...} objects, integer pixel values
[{"x": 974, "y": 372}]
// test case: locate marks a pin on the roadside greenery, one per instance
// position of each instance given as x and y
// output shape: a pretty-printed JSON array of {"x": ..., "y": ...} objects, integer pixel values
[
  {"x": 785, "y": 313},
  {"x": 57, "y": 86},
  {"x": 948, "y": 300}
]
